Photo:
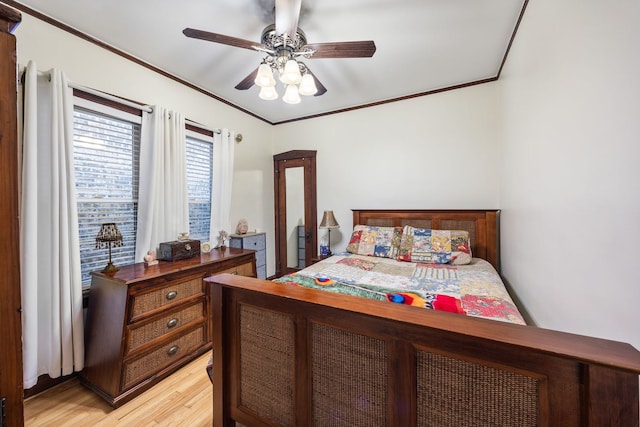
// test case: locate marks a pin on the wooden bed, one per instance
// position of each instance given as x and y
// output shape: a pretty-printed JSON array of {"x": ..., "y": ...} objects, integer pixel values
[{"x": 288, "y": 356}]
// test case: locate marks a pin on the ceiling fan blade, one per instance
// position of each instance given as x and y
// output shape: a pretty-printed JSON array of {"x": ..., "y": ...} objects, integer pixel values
[
  {"x": 248, "y": 81},
  {"x": 287, "y": 14},
  {"x": 361, "y": 49},
  {"x": 220, "y": 38}
]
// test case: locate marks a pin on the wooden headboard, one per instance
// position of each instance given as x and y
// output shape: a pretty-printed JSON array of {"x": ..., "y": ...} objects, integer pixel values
[{"x": 483, "y": 225}]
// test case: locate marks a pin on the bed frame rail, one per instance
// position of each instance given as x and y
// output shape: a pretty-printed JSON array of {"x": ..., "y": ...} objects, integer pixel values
[{"x": 291, "y": 356}]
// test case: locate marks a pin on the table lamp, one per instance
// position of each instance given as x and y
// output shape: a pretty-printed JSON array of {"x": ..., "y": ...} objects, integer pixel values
[
  {"x": 109, "y": 235},
  {"x": 329, "y": 222}
]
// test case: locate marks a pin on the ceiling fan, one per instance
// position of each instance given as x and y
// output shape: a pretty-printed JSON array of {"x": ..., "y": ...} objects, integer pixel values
[{"x": 284, "y": 44}]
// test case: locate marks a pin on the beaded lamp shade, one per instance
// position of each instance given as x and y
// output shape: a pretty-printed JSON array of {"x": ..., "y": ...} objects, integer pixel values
[{"x": 109, "y": 236}]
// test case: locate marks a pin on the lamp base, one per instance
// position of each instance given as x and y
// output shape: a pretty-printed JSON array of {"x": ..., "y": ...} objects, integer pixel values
[{"x": 110, "y": 268}]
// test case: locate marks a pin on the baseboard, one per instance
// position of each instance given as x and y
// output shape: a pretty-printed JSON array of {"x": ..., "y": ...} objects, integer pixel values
[{"x": 45, "y": 382}]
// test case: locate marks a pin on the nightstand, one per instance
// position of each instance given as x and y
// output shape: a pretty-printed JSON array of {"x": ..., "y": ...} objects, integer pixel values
[
  {"x": 256, "y": 242},
  {"x": 318, "y": 258}
]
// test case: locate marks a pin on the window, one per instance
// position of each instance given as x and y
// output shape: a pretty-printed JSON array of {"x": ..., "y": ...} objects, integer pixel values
[
  {"x": 199, "y": 176},
  {"x": 106, "y": 157},
  {"x": 106, "y": 150}
]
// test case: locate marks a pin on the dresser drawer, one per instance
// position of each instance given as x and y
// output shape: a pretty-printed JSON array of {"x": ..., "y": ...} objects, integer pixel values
[
  {"x": 256, "y": 242},
  {"x": 139, "y": 335},
  {"x": 245, "y": 269},
  {"x": 169, "y": 294},
  {"x": 145, "y": 366}
]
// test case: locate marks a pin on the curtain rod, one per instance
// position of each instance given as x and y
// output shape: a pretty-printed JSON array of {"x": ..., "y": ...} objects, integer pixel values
[
  {"x": 104, "y": 95},
  {"x": 146, "y": 108},
  {"x": 200, "y": 125},
  {"x": 98, "y": 93}
]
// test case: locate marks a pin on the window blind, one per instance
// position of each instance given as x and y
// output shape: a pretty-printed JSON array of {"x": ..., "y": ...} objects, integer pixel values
[
  {"x": 106, "y": 156},
  {"x": 199, "y": 176}
]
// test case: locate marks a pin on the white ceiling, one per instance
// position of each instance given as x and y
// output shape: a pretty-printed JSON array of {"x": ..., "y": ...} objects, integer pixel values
[{"x": 422, "y": 45}]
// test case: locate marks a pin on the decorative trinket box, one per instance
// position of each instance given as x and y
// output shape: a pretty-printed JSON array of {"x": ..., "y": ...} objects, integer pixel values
[{"x": 179, "y": 249}]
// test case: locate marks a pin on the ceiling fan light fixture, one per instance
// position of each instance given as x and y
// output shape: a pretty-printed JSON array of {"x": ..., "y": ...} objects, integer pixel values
[
  {"x": 268, "y": 93},
  {"x": 291, "y": 73},
  {"x": 291, "y": 95},
  {"x": 307, "y": 85},
  {"x": 264, "y": 78}
]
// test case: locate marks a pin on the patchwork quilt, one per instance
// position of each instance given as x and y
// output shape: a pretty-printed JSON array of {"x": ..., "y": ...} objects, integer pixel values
[{"x": 474, "y": 289}]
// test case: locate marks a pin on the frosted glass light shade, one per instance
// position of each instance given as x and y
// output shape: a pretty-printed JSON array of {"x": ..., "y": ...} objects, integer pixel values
[
  {"x": 308, "y": 85},
  {"x": 264, "y": 78},
  {"x": 291, "y": 95},
  {"x": 291, "y": 73},
  {"x": 268, "y": 93}
]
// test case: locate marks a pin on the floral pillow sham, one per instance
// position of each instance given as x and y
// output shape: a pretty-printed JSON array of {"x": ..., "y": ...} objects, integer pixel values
[
  {"x": 375, "y": 241},
  {"x": 434, "y": 246}
]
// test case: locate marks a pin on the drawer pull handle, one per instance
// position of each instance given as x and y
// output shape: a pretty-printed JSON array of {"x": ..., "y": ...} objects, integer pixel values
[
  {"x": 235, "y": 272},
  {"x": 172, "y": 295},
  {"x": 187, "y": 247},
  {"x": 173, "y": 350},
  {"x": 172, "y": 323}
]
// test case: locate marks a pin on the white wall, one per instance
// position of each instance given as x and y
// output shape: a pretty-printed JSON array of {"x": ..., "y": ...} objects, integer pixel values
[
  {"x": 94, "y": 67},
  {"x": 555, "y": 144},
  {"x": 570, "y": 191},
  {"x": 439, "y": 151}
]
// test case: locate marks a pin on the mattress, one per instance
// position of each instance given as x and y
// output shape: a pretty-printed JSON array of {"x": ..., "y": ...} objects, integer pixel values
[{"x": 474, "y": 289}]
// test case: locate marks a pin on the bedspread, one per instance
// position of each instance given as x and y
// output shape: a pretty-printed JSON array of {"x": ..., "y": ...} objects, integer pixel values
[{"x": 474, "y": 289}]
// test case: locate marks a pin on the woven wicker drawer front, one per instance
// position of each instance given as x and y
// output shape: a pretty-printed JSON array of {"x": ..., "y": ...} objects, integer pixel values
[
  {"x": 452, "y": 391},
  {"x": 169, "y": 294},
  {"x": 245, "y": 269},
  {"x": 163, "y": 325},
  {"x": 144, "y": 367},
  {"x": 347, "y": 368}
]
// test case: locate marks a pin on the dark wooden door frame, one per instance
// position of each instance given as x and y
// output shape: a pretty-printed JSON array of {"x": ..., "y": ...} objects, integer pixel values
[
  {"x": 282, "y": 161},
  {"x": 11, "y": 385}
]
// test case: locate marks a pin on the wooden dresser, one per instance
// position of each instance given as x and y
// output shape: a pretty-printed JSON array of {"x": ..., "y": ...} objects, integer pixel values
[{"x": 143, "y": 323}]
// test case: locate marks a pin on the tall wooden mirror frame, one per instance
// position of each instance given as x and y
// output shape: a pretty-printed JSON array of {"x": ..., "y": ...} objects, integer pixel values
[{"x": 307, "y": 160}]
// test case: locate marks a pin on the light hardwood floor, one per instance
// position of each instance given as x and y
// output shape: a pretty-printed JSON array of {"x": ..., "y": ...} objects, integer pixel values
[{"x": 182, "y": 399}]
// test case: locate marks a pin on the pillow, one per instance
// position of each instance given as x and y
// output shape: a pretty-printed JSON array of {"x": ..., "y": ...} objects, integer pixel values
[
  {"x": 375, "y": 241},
  {"x": 434, "y": 246}
]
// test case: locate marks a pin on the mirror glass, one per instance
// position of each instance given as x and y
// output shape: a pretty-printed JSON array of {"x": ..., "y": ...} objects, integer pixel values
[{"x": 294, "y": 177}]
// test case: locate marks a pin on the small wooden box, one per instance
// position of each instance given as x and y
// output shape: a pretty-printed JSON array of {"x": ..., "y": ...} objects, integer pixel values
[{"x": 179, "y": 249}]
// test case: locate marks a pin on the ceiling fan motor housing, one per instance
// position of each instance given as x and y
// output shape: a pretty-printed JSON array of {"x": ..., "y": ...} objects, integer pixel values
[
  {"x": 283, "y": 47},
  {"x": 277, "y": 41}
]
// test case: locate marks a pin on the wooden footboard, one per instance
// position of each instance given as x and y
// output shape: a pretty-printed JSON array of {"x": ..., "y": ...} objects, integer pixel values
[{"x": 288, "y": 356}]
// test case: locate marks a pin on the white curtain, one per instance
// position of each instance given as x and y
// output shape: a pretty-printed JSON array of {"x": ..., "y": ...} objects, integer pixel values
[
  {"x": 222, "y": 183},
  {"x": 163, "y": 204},
  {"x": 52, "y": 316}
]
